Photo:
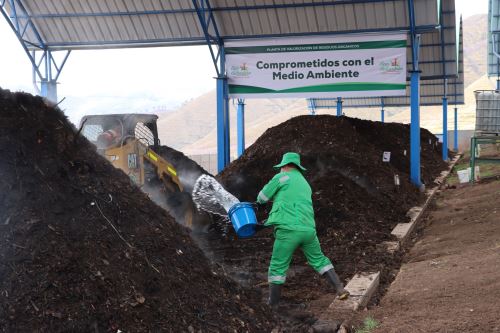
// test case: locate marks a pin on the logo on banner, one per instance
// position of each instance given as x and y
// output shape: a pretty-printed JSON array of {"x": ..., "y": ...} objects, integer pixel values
[
  {"x": 241, "y": 70},
  {"x": 391, "y": 67}
]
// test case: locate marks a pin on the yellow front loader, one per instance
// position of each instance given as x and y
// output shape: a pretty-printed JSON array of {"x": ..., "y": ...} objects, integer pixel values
[{"x": 129, "y": 142}]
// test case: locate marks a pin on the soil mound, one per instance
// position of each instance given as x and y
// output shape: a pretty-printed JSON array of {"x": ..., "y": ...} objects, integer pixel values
[
  {"x": 82, "y": 249},
  {"x": 189, "y": 170},
  {"x": 355, "y": 198},
  {"x": 395, "y": 138}
]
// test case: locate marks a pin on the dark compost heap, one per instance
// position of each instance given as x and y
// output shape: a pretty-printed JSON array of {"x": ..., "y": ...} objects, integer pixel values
[
  {"x": 355, "y": 198},
  {"x": 84, "y": 250}
]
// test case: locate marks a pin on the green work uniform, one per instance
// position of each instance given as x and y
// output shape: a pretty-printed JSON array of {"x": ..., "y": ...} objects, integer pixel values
[{"x": 292, "y": 216}]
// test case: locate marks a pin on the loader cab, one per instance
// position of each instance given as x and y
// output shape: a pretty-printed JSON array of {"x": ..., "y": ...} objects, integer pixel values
[
  {"x": 130, "y": 142},
  {"x": 114, "y": 130},
  {"x": 123, "y": 139}
]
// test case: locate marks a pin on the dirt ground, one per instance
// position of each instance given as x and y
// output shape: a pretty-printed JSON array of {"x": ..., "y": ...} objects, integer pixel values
[
  {"x": 451, "y": 279},
  {"x": 356, "y": 202}
]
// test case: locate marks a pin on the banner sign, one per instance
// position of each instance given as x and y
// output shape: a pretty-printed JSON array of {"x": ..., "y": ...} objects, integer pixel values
[{"x": 335, "y": 66}]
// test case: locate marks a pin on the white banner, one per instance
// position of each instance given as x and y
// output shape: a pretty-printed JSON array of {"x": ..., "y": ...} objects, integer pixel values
[{"x": 335, "y": 66}]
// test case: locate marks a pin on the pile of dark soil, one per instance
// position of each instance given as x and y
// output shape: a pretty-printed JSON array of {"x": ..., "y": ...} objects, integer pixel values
[
  {"x": 355, "y": 198},
  {"x": 395, "y": 138},
  {"x": 189, "y": 170},
  {"x": 178, "y": 203},
  {"x": 84, "y": 250}
]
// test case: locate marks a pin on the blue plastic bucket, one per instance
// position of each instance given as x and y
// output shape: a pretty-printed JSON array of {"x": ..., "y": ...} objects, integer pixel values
[{"x": 243, "y": 218}]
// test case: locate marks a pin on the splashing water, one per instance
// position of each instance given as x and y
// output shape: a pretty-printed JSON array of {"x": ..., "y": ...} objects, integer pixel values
[{"x": 210, "y": 196}]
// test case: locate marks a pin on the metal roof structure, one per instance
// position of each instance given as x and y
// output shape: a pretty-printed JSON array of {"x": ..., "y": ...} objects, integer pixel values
[
  {"x": 45, "y": 27},
  {"x": 494, "y": 38},
  {"x": 438, "y": 49},
  {"x": 69, "y": 24},
  {"x": 73, "y": 24},
  {"x": 458, "y": 84},
  {"x": 431, "y": 91}
]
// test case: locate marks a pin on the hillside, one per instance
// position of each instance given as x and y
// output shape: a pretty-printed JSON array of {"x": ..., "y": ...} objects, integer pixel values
[
  {"x": 192, "y": 127},
  {"x": 475, "y": 47},
  {"x": 195, "y": 121}
]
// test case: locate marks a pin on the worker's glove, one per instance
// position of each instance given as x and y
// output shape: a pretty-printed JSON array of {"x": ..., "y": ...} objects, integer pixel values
[
  {"x": 260, "y": 226},
  {"x": 256, "y": 205}
]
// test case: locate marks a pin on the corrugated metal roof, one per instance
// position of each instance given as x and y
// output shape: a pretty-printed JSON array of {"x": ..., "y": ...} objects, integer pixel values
[
  {"x": 73, "y": 24},
  {"x": 493, "y": 25},
  {"x": 431, "y": 54},
  {"x": 432, "y": 91},
  {"x": 248, "y": 18},
  {"x": 66, "y": 24},
  {"x": 70, "y": 24}
]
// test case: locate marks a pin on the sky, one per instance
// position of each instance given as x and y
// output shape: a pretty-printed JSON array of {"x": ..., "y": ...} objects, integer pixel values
[{"x": 129, "y": 80}]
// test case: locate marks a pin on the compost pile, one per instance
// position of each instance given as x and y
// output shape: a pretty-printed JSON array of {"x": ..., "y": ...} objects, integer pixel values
[
  {"x": 189, "y": 170},
  {"x": 84, "y": 250},
  {"x": 356, "y": 200},
  {"x": 177, "y": 203}
]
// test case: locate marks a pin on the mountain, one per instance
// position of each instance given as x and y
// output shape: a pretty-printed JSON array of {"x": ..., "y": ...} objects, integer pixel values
[
  {"x": 475, "y": 47},
  {"x": 192, "y": 127}
]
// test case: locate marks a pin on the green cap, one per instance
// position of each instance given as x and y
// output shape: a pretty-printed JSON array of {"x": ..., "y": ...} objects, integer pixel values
[{"x": 288, "y": 158}]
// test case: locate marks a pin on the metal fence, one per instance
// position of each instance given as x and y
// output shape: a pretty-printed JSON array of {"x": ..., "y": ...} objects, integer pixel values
[{"x": 208, "y": 161}]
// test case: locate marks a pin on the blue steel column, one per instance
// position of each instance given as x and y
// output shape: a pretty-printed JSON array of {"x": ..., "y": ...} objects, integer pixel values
[
  {"x": 222, "y": 119},
  {"x": 48, "y": 86},
  {"x": 241, "y": 126},
  {"x": 212, "y": 37},
  {"x": 221, "y": 81},
  {"x": 22, "y": 24},
  {"x": 48, "y": 77},
  {"x": 455, "y": 131},
  {"x": 49, "y": 90},
  {"x": 415, "y": 128},
  {"x": 382, "y": 112},
  {"x": 227, "y": 125},
  {"x": 339, "y": 106},
  {"x": 414, "y": 101},
  {"x": 445, "y": 90},
  {"x": 445, "y": 128},
  {"x": 311, "y": 105}
]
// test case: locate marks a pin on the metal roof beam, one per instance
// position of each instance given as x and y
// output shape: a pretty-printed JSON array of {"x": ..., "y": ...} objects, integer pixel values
[
  {"x": 109, "y": 14},
  {"x": 214, "y": 9},
  {"x": 207, "y": 21},
  {"x": 418, "y": 29},
  {"x": 298, "y": 5},
  {"x": 60, "y": 67},
  {"x": 29, "y": 21},
  {"x": 211, "y": 39},
  {"x": 46, "y": 68},
  {"x": 20, "y": 30},
  {"x": 128, "y": 43}
]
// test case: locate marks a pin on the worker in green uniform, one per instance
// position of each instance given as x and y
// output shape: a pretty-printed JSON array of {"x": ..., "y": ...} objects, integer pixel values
[{"x": 292, "y": 216}]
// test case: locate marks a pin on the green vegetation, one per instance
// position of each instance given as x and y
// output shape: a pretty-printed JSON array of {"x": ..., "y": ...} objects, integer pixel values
[{"x": 369, "y": 324}]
